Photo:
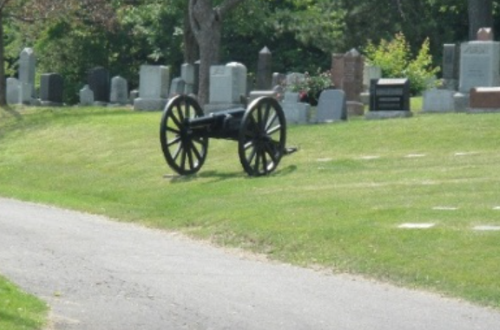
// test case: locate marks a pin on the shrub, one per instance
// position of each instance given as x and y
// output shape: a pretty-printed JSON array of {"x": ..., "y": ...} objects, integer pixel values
[{"x": 395, "y": 60}]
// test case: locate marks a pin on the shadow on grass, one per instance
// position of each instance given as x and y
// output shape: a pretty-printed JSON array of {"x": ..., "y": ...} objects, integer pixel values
[
  {"x": 11, "y": 112},
  {"x": 221, "y": 176}
]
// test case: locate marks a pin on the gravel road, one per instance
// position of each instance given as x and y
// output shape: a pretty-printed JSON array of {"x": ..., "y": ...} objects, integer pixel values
[{"x": 101, "y": 274}]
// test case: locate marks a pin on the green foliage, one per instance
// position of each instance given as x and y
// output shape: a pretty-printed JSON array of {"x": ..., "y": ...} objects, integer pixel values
[{"x": 395, "y": 59}]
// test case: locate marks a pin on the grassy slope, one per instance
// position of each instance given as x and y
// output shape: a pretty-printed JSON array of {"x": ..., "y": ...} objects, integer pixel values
[
  {"x": 330, "y": 204},
  {"x": 18, "y": 310}
]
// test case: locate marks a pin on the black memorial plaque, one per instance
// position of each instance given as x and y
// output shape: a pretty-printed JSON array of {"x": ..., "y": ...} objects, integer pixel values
[{"x": 390, "y": 95}]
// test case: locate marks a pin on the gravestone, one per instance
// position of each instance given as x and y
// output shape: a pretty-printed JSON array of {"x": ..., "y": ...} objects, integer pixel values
[
  {"x": 479, "y": 65},
  {"x": 294, "y": 78},
  {"x": 295, "y": 112},
  {"x": 86, "y": 96},
  {"x": 196, "y": 85},
  {"x": 451, "y": 57},
  {"x": 154, "y": 83},
  {"x": 119, "y": 91},
  {"x": 389, "y": 98},
  {"x": 99, "y": 82},
  {"x": 332, "y": 106},
  {"x": 484, "y": 99},
  {"x": 27, "y": 64},
  {"x": 133, "y": 95},
  {"x": 228, "y": 86},
  {"x": 13, "y": 91},
  {"x": 347, "y": 74},
  {"x": 439, "y": 100},
  {"x": 369, "y": 72},
  {"x": 278, "y": 79},
  {"x": 188, "y": 75},
  {"x": 264, "y": 70},
  {"x": 177, "y": 87},
  {"x": 51, "y": 89}
]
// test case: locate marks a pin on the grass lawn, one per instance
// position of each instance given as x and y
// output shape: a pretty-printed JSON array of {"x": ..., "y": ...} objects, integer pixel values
[
  {"x": 19, "y": 310},
  {"x": 338, "y": 203}
]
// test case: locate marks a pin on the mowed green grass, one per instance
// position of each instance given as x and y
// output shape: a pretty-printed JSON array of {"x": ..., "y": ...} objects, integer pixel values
[
  {"x": 19, "y": 310},
  {"x": 337, "y": 203}
]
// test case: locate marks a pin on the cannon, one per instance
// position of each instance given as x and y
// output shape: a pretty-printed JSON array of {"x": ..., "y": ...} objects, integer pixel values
[{"x": 259, "y": 129}]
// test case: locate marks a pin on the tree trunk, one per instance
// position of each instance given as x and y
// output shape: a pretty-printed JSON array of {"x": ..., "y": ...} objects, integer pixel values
[
  {"x": 206, "y": 24},
  {"x": 480, "y": 15},
  {"x": 3, "y": 92},
  {"x": 191, "y": 52}
]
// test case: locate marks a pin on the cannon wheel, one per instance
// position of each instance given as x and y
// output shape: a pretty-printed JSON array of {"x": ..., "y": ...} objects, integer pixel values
[
  {"x": 184, "y": 152},
  {"x": 261, "y": 142}
]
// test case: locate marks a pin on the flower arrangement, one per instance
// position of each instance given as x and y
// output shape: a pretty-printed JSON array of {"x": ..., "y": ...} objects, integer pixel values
[{"x": 311, "y": 86}]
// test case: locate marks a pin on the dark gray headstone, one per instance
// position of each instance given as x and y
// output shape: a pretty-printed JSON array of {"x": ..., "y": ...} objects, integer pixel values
[
  {"x": 196, "y": 84},
  {"x": 51, "y": 88},
  {"x": 264, "y": 70},
  {"x": 390, "y": 95},
  {"x": 99, "y": 83},
  {"x": 450, "y": 61}
]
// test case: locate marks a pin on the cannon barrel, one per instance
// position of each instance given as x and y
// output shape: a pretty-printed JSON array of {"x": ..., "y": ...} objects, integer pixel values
[{"x": 216, "y": 119}]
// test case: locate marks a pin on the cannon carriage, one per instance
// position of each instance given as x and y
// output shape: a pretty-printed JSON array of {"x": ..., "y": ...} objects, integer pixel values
[{"x": 259, "y": 129}]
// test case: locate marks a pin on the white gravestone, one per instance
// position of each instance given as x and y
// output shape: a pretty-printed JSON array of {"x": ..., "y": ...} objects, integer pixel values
[
  {"x": 13, "y": 91},
  {"x": 295, "y": 112},
  {"x": 439, "y": 100},
  {"x": 228, "y": 84},
  {"x": 332, "y": 106},
  {"x": 27, "y": 64},
  {"x": 153, "y": 88},
  {"x": 119, "y": 91},
  {"x": 188, "y": 75},
  {"x": 479, "y": 65},
  {"x": 86, "y": 96}
]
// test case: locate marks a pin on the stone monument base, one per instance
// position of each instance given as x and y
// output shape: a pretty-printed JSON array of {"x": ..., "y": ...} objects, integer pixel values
[
  {"x": 461, "y": 102},
  {"x": 50, "y": 104},
  {"x": 372, "y": 115},
  {"x": 355, "y": 108},
  {"x": 483, "y": 110},
  {"x": 142, "y": 104}
]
